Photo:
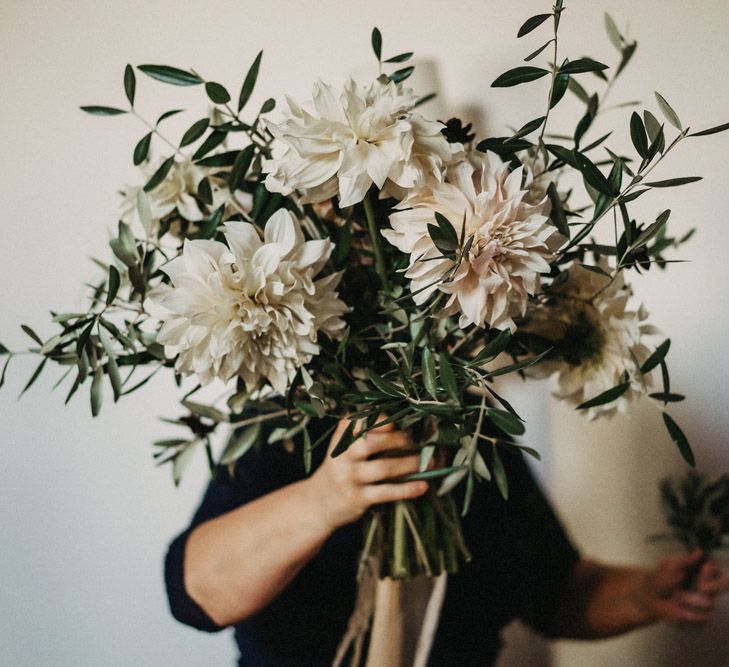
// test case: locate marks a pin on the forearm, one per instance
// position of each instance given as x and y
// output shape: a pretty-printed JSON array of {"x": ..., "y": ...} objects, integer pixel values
[
  {"x": 602, "y": 601},
  {"x": 237, "y": 563}
]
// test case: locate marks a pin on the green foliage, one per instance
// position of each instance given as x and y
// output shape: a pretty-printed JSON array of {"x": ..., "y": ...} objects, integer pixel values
[
  {"x": 668, "y": 112},
  {"x": 656, "y": 358},
  {"x": 240, "y": 443},
  {"x": 537, "y": 51},
  {"x": 217, "y": 92},
  {"x": 249, "y": 82},
  {"x": 103, "y": 111},
  {"x": 171, "y": 75},
  {"x": 401, "y": 74},
  {"x": 519, "y": 75},
  {"x": 672, "y": 182},
  {"x": 638, "y": 135},
  {"x": 400, "y": 58},
  {"x": 159, "y": 175},
  {"x": 678, "y": 436},
  {"x": 141, "y": 150},
  {"x": 401, "y": 360},
  {"x": 240, "y": 168},
  {"x": 582, "y": 65},
  {"x": 712, "y": 130},
  {"x": 607, "y": 396},
  {"x": 696, "y": 510},
  {"x": 130, "y": 84},
  {"x": 532, "y": 23},
  {"x": 377, "y": 43},
  {"x": 194, "y": 132}
]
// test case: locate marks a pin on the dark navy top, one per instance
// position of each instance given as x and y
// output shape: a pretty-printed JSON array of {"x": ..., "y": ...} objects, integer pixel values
[{"x": 522, "y": 559}]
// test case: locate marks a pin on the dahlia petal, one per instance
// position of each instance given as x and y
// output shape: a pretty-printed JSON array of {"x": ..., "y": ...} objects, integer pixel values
[
  {"x": 242, "y": 238},
  {"x": 280, "y": 229}
]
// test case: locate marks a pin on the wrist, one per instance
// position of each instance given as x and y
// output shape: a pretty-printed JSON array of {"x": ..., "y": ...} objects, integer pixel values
[
  {"x": 642, "y": 598},
  {"x": 319, "y": 514}
]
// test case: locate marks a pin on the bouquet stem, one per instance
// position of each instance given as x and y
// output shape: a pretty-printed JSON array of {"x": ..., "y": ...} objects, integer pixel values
[
  {"x": 412, "y": 538},
  {"x": 376, "y": 244},
  {"x": 691, "y": 579}
]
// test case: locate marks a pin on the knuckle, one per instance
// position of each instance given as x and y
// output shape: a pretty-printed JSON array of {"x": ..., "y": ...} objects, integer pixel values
[
  {"x": 359, "y": 448},
  {"x": 371, "y": 496},
  {"x": 357, "y": 476},
  {"x": 351, "y": 476},
  {"x": 345, "y": 476},
  {"x": 370, "y": 443},
  {"x": 351, "y": 497},
  {"x": 396, "y": 438},
  {"x": 384, "y": 427}
]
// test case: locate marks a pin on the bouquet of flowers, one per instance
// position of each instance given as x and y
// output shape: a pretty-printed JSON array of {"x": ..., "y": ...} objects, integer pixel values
[{"x": 353, "y": 258}]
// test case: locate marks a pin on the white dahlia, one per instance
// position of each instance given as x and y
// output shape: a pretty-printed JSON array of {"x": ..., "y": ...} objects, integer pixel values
[
  {"x": 538, "y": 178},
  {"x": 345, "y": 142},
  {"x": 512, "y": 241},
  {"x": 598, "y": 341},
  {"x": 252, "y": 308},
  {"x": 176, "y": 194}
]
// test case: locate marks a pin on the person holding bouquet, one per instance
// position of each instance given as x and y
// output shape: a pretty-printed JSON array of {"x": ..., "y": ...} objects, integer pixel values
[{"x": 273, "y": 553}]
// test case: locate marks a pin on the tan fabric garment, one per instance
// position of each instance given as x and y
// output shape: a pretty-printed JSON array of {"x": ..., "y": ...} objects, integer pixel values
[{"x": 406, "y": 617}]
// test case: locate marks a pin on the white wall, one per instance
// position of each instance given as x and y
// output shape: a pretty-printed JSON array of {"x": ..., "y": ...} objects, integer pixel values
[{"x": 86, "y": 517}]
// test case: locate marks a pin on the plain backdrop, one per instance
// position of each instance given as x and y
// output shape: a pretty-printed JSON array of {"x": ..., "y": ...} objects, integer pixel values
[{"x": 86, "y": 517}]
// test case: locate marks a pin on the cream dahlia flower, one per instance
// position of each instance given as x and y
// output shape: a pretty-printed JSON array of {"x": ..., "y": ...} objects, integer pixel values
[
  {"x": 252, "y": 308},
  {"x": 176, "y": 194},
  {"x": 513, "y": 242},
  {"x": 345, "y": 142},
  {"x": 598, "y": 342},
  {"x": 538, "y": 178}
]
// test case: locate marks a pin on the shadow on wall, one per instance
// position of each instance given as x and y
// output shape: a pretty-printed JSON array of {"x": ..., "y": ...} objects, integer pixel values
[{"x": 426, "y": 80}]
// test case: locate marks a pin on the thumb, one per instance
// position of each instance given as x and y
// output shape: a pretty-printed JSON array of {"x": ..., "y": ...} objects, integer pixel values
[
  {"x": 692, "y": 558},
  {"x": 672, "y": 570}
]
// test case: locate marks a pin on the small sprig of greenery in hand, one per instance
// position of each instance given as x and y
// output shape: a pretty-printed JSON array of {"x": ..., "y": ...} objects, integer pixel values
[{"x": 697, "y": 514}]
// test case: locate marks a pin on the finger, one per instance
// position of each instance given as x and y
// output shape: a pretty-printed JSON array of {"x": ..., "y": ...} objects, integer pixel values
[
  {"x": 359, "y": 426},
  {"x": 369, "y": 472},
  {"x": 388, "y": 493},
  {"x": 341, "y": 427},
  {"x": 374, "y": 443},
  {"x": 694, "y": 557},
  {"x": 709, "y": 570},
  {"x": 693, "y": 617},
  {"x": 712, "y": 578},
  {"x": 719, "y": 584},
  {"x": 694, "y": 600},
  {"x": 385, "y": 427},
  {"x": 675, "y": 613},
  {"x": 696, "y": 620},
  {"x": 685, "y": 561},
  {"x": 672, "y": 570}
]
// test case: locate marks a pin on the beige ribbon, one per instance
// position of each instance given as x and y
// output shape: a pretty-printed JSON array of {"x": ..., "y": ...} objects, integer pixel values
[{"x": 404, "y": 617}]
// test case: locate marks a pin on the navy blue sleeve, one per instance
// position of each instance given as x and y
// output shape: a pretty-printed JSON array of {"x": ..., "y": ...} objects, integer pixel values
[
  {"x": 547, "y": 554},
  {"x": 259, "y": 472}
]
